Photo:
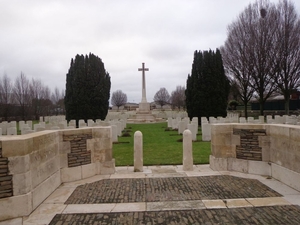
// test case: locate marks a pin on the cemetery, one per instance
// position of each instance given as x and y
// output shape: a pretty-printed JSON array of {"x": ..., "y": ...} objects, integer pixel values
[
  {"x": 49, "y": 169},
  {"x": 48, "y": 154}
]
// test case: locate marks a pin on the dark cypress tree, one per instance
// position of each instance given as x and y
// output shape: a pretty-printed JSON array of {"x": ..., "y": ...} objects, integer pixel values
[
  {"x": 87, "y": 89},
  {"x": 207, "y": 87}
]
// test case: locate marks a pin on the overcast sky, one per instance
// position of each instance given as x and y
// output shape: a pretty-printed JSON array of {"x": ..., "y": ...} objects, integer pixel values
[{"x": 40, "y": 37}]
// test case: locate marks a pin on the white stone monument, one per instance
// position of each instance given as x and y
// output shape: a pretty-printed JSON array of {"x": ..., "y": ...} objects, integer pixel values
[
  {"x": 144, "y": 106},
  {"x": 144, "y": 113}
]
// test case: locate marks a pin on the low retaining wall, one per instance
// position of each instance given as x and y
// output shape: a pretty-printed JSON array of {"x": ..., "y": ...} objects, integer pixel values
[
  {"x": 264, "y": 149},
  {"x": 32, "y": 166}
]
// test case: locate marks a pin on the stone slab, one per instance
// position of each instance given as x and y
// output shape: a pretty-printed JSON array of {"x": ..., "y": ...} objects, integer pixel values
[{"x": 269, "y": 201}]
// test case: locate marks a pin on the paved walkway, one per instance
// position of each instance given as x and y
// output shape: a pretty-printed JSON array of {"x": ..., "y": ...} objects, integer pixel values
[{"x": 169, "y": 195}]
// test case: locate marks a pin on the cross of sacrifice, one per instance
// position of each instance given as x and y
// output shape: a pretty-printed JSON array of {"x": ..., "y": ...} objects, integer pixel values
[{"x": 143, "y": 69}]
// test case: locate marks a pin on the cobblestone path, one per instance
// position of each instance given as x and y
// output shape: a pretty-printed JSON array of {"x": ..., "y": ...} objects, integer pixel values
[
  {"x": 273, "y": 215},
  {"x": 169, "y": 189},
  {"x": 178, "y": 189}
]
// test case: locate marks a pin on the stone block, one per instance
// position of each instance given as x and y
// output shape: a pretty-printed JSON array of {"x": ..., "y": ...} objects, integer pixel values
[
  {"x": 16, "y": 147},
  {"x": 264, "y": 143},
  {"x": 102, "y": 132},
  {"x": 65, "y": 147},
  {"x": 260, "y": 168},
  {"x": 222, "y": 151},
  {"x": 16, "y": 221},
  {"x": 45, "y": 170},
  {"x": 218, "y": 164},
  {"x": 44, "y": 189},
  {"x": 280, "y": 131},
  {"x": 63, "y": 160},
  {"x": 88, "y": 170},
  {"x": 286, "y": 176},
  {"x": 294, "y": 133},
  {"x": 22, "y": 183},
  {"x": 144, "y": 107},
  {"x": 105, "y": 143},
  {"x": 238, "y": 165},
  {"x": 16, "y": 206},
  {"x": 107, "y": 167},
  {"x": 18, "y": 164},
  {"x": 43, "y": 155},
  {"x": 71, "y": 174}
]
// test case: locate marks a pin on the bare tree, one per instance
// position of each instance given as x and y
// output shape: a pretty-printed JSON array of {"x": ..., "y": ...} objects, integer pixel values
[
  {"x": 21, "y": 94},
  {"x": 6, "y": 96},
  {"x": 250, "y": 51},
  {"x": 162, "y": 97},
  {"x": 235, "y": 57},
  {"x": 178, "y": 97},
  {"x": 46, "y": 103},
  {"x": 36, "y": 92},
  {"x": 57, "y": 99},
  {"x": 288, "y": 75},
  {"x": 118, "y": 98},
  {"x": 55, "y": 96}
]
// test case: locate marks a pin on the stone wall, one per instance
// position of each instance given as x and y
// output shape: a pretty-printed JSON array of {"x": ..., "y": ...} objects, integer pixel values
[
  {"x": 6, "y": 189},
  {"x": 249, "y": 147},
  {"x": 79, "y": 154},
  {"x": 38, "y": 163},
  {"x": 279, "y": 146}
]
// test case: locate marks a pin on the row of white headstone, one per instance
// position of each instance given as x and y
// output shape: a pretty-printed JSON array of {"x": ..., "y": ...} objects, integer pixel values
[
  {"x": 184, "y": 124},
  {"x": 234, "y": 118},
  {"x": 158, "y": 114},
  {"x": 59, "y": 122}
]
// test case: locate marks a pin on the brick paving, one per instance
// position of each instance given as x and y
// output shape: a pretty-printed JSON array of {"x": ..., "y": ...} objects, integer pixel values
[
  {"x": 286, "y": 215},
  {"x": 178, "y": 189},
  {"x": 169, "y": 189}
]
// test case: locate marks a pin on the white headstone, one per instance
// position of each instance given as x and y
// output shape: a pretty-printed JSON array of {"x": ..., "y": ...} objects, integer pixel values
[
  {"x": 192, "y": 128},
  {"x": 114, "y": 133},
  {"x": 181, "y": 127},
  {"x": 250, "y": 119},
  {"x": 170, "y": 121},
  {"x": 206, "y": 132},
  {"x": 29, "y": 122},
  {"x": 11, "y": 131}
]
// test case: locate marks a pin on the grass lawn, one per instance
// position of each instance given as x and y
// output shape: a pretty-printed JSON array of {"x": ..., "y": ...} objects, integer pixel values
[{"x": 160, "y": 147}]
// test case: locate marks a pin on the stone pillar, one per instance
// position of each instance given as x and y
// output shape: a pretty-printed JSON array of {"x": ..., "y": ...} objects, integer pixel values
[
  {"x": 187, "y": 151},
  {"x": 138, "y": 151}
]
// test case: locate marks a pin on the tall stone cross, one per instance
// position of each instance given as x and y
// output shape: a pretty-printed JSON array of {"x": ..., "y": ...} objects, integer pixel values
[{"x": 143, "y": 69}]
